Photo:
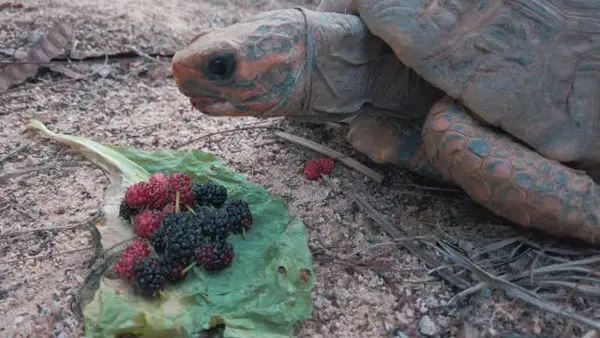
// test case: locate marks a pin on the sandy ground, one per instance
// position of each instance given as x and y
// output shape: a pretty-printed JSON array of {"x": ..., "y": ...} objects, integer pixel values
[{"x": 381, "y": 292}]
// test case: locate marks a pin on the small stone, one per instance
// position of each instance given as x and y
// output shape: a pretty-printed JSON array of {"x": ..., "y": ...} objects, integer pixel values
[
  {"x": 18, "y": 320},
  {"x": 427, "y": 326}
]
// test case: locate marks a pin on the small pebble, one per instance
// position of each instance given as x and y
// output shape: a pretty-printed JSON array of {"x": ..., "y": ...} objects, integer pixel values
[{"x": 428, "y": 327}]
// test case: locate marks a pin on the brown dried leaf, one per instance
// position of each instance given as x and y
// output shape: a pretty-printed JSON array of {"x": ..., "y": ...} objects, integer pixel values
[{"x": 44, "y": 50}]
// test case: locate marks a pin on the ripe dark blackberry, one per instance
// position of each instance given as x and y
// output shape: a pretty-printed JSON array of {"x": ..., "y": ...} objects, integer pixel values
[
  {"x": 150, "y": 277},
  {"x": 172, "y": 219},
  {"x": 240, "y": 216},
  {"x": 210, "y": 194},
  {"x": 126, "y": 211},
  {"x": 180, "y": 246},
  {"x": 216, "y": 225},
  {"x": 214, "y": 256},
  {"x": 174, "y": 271},
  {"x": 183, "y": 233},
  {"x": 158, "y": 239}
]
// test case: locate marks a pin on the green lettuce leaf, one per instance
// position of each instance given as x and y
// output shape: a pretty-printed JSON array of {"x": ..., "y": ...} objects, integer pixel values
[{"x": 266, "y": 292}]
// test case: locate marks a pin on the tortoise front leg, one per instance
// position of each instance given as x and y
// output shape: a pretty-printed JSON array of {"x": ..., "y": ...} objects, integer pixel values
[
  {"x": 510, "y": 179},
  {"x": 392, "y": 140}
]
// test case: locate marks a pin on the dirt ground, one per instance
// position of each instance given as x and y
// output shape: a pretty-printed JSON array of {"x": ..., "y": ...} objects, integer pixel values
[{"x": 48, "y": 191}]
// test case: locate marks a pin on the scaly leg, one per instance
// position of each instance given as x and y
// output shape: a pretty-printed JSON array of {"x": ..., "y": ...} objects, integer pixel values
[
  {"x": 385, "y": 139},
  {"x": 510, "y": 179}
]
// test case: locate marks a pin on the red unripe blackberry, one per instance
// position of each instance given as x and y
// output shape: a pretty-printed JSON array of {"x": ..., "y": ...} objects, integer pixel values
[
  {"x": 182, "y": 183},
  {"x": 133, "y": 254},
  {"x": 312, "y": 170},
  {"x": 327, "y": 165},
  {"x": 158, "y": 179},
  {"x": 146, "y": 222},
  {"x": 138, "y": 248},
  {"x": 138, "y": 195},
  {"x": 214, "y": 256}
]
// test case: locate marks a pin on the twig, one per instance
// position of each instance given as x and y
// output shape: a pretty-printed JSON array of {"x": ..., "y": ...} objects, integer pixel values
[
  {"x": 13, "y": 152},
  {"x": 350, "y": 162},
  {"x": 515, "y": 290},
  {"x": 449, "y": 276},
  {"x": 227, "y": 131},
  {"x": 145, "y": 55},
  {"x": 424, "y": 187}
]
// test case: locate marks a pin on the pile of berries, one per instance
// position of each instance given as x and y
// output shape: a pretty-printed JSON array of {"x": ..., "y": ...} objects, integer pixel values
[
  {"x": 180, "y": 223},
  {"x": 314, "y": 169}
]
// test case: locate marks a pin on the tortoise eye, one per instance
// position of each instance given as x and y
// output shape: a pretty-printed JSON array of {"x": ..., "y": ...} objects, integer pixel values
[{"x": 220, "y": 67}]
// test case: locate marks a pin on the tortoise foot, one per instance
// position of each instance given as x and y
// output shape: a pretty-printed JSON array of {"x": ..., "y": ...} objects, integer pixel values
[
  {"x": 510, "y": 179},
  {"x": 385, "y": 139}
]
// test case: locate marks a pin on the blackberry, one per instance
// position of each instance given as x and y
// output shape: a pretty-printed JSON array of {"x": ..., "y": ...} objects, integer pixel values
[
  {"x": 146, "y": 222},
  {"x": 210, "y": 194},
  {"x": 158, "y": 239},
  {"x": 216, "y": 225},
  {"x": 240, "y": 216},
  {"x": 174, "y": 271},
  {"x": 180, "y": 242},
  {"x": 214, "y": 256},
  {"x": 126, "y": 210},
  {"x": 150, "y": 276},
  {"x": 133, "y": 254},
  {"x": 182, "y": 183},
  {"x": 172, "y": 220}
]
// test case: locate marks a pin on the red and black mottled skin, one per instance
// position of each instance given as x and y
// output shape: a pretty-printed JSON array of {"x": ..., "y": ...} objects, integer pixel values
[{"x": 507, "y": 93}]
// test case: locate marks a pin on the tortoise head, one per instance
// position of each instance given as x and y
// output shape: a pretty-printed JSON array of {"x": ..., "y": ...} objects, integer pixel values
[{"x": 251, "y": 68}]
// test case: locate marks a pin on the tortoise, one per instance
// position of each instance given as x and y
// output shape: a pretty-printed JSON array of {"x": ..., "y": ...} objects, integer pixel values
[{"x": 440, "y": 88}]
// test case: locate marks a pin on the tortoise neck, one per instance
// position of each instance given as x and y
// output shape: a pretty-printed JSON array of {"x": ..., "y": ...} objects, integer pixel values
[{"x": 351, "y": 68}]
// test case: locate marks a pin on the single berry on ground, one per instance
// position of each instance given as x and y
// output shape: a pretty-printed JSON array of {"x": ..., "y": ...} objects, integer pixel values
[
  {"x": 312, "y": 170},
  {"x": 210, "y": 194},
  {"x": 150, "y": 276},
  {"x": 240, "y": 217},
  {"x": 214, "y": 256},
  {"x": 326, "y": 165}
]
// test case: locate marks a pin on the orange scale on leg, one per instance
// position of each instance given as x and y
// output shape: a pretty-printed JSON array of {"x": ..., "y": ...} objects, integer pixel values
[
  {"x": 497, "y": 169},
  {"x": 452, "y": 143},
  {"x": 478, "y": 189},
  {"x": 552, "y": 205},
  {"x": 441, "y": 123}
]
